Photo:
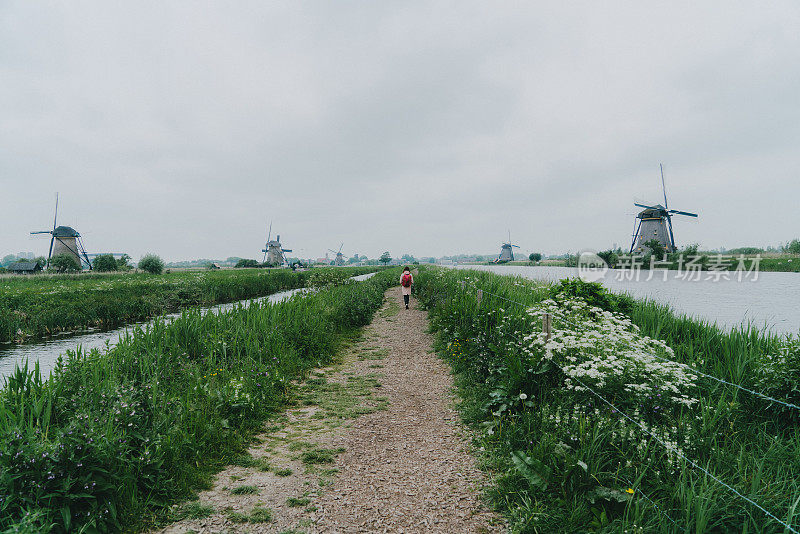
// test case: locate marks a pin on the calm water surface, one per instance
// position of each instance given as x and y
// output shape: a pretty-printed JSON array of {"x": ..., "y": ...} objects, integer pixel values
[{"x": 771, "y": 301}]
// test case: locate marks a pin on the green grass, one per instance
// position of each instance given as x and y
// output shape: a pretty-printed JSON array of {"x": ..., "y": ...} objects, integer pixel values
[
  {"x": 297, "y": 501},
  {"x": 244, "y": 490},
  {"x": 113, "y": 436},
  {"x": 320, "y": 455},
  {"x": 562, "y": 461},
  {"x": 33, "y": 307},
  {"x": 258, "y": 514},
  {"x": 284, "y": 472},
  {"x": 193, "y": 510}
]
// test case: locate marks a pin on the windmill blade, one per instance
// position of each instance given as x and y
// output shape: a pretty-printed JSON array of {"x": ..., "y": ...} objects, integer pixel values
[
  {"x": 50, "y": 252},
  {"x": 516, "y": 246},
  {"x": 43, "y": 232},
  {"x": 340, "y": 248},
  {"x": 55, "y": 217},
  {"x": 664, "y": 188},
  {"x": 688, "y": 214},
  {"x": 671, "y": 235},
  {"x": 656, "y": 207},
  {"x": 637, "y": 224},
  {"x": 286, "y": 250}
]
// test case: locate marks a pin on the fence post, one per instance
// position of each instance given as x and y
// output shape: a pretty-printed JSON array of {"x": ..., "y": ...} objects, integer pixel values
[
  {"x": 547, "y": 326},
  {"x": 480, "y": 295}
]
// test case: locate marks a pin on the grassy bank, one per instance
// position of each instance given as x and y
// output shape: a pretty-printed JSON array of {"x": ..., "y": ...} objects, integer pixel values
[
  {"x": 114, "y": 434},
  {"x": 38, "y": 306},
  {"x": 550, "y": 412}
]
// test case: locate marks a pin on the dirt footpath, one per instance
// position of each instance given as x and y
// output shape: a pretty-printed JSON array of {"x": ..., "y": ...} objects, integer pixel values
[{"x": 374, "y": 445}]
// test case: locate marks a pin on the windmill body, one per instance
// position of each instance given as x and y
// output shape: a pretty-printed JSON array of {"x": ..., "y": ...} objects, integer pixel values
[
  {"x": 652, "y": 224},
  {"x": 506, "y": 251},
  {"x": 339, "y": 261},
  {"x": 65, "y": 240},
  {"x": 274, "y": 253},
  {"x": 655, "y": 222}
]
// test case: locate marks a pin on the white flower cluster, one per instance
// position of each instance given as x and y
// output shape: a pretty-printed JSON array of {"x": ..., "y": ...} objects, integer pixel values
[{"x": 607, "y": 352}]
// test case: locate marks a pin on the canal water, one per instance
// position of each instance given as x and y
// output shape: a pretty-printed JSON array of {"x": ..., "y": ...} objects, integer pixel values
[
  {"x": 768, "y": 300},
  {"x": 48, "y": 351}
]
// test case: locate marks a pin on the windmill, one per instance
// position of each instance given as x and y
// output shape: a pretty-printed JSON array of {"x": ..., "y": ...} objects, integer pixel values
[
  {"x": 339, "y": 261},
  {"x": 506, "y": 252},
  {"x": 655, "y": 222},
  {"x": 65, "y": 240},
  {"x": 273, "y": 252}
]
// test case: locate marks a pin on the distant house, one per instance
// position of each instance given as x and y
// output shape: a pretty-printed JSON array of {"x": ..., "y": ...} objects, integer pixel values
[{"x": 24, "y": 267}]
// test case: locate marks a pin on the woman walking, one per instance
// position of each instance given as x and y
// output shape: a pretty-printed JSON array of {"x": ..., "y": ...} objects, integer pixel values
[{"x": 406, "y": 280}]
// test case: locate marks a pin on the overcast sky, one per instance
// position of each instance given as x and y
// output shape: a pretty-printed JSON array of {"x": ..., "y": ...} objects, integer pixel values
[{"x": 183, "y": 128}]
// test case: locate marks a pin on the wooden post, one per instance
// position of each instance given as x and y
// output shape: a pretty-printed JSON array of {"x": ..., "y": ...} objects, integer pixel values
[
  {"x": 480, "y": 295},
  {"x": 547, "y": 326}
]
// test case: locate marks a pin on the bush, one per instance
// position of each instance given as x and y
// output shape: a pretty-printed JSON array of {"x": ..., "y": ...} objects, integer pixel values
[
  {"x": 793, "y": 247},
  {"x": 245, "y": 263},
  {"x": 64, "y": 263},
  {"x": 151, "y": 264},
  {"x": 104, "y": 263},
  {"x": 122, "y": 263},
  {"x": 593, "y": 293}
]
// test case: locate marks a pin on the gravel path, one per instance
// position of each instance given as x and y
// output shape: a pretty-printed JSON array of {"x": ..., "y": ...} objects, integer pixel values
[{"x": 359, "y": 462}]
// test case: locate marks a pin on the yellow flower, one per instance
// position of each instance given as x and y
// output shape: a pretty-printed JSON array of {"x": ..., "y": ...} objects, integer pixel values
[{"x": 630, "y": 490}]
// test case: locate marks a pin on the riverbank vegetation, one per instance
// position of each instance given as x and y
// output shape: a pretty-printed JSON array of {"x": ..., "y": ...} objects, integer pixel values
[
  {"x": 115, "y": 434},
  {"x": 38, "y": 306},
  {"x": 611, "y": 423}
]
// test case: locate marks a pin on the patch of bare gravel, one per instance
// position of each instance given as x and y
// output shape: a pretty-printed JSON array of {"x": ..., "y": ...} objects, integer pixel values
[{"x": 399, "y": 459}]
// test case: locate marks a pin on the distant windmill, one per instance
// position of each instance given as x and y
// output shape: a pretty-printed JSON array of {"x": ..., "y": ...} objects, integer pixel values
[
  {"x": 273, "y": 252},
  {"x": 65, "y": 240},
  {"x": 506, "y": 252},
  {"x": 655, "y": 222},
  {"x": 339, "y": 261}
]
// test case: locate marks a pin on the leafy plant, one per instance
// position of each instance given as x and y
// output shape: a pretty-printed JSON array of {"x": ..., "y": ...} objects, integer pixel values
[
  {"x": 64, "y": 263},
  {"x": 104, "y": 263},
  {"x": 151, "y": 263}
]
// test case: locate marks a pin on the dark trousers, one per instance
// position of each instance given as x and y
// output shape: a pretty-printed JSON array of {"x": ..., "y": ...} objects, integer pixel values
[{"x": 405, "y": 299}]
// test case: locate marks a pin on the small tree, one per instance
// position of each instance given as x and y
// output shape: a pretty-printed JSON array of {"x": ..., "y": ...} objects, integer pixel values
[
  {"x": 386, "y": 258},
  {"x": 64, "y": 263},
  {"x": 793, "y": 247},
  {"x": 535, "y": 257},
  {"x": 123, "y": 263},
  {"x": 104, "y": 263},
  {"x": 151, "y": 263},
  {"x": 656, "y": 248},
  {"x": 609, "y": 256}
]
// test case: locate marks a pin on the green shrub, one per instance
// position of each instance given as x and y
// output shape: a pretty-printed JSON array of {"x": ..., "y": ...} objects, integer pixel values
[
  {"x": 151, "y": 263},
  {"x": 245, "y": 263},
  {"x": 64, "y": 263},
  {"x": 105, "y": 263},
  {"x": 593, "y": 293}
]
